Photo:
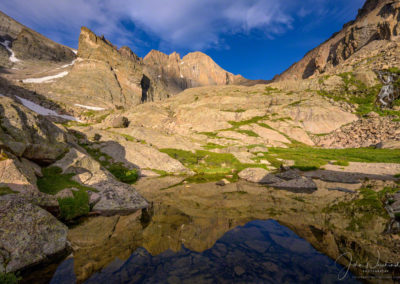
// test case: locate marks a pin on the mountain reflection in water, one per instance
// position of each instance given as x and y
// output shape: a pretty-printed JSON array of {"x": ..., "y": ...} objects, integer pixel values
[{"x": 258, "y": 252}]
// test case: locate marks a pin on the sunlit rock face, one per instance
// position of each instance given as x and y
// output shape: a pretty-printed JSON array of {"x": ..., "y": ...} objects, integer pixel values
[
  {"x": 110, "y": 77},
  {"x": 378, "y": 21},
  {"x": 193, "y": 70}
]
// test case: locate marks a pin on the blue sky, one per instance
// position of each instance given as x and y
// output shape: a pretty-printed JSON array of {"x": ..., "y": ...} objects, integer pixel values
[{"x": 255, "y": 38}]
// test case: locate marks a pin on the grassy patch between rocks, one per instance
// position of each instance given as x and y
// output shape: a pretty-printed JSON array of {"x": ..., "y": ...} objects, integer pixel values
[
  {"x": 9, "y": 278},
  {"x": 356, "y": 92},
  {"x": 118, "y": 170},
  {"x": 209, "y": 166},
  {"x": 210, "y": 146},
  {"x": 53, "y": 181},
  {"x": 234, "y": 110},
  {"x": 309, "y": 158},
  {"x": 247, "y": 132},
  {"x": 363, "y": 210},
  {"x": 4, "y": 190},
  {"x": 72, "y": 207},
  {"x": 3, "y": 156},
  {"x": 237, "y": 124}
]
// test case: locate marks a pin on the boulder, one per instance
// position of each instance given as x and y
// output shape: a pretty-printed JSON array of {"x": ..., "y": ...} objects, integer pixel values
[
  {"x": 29, "y": 235},
  {"x": 258, "y": 175},
  {"x": 134, "y": 155},
  {"x": 65, "y": 193},
  {"x": 388, "y": 144},
  {"x": 29, "y": 135},
  {"x": 223, "y": 182},
  {"x": 368, "y": 78},
  {"x": 93, "y": 198},
  {"x": 17, "y": 176},
  {"x": 120, "y": 122},
  {"x": 115, "y": 197},
  {"x": 298, "y": 184}
]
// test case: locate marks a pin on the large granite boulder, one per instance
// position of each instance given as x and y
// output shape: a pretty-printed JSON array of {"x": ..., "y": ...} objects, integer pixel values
[
  {"x": 388, "y": 144},
  {"x": 17, "y": 176},
  {"x": 114, "y": 197},
  {"x": 29, "y": 135},
  {"x": 29, "y": 234}
]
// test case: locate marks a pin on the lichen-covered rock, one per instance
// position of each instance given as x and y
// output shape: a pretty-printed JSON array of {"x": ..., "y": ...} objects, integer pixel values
[
  {"x": 29, "y": 135},
  {"x": 29, "y": 235}
]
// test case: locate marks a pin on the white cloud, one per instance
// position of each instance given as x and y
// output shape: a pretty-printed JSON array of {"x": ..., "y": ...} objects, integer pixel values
[{"x": 189, "y": 24}]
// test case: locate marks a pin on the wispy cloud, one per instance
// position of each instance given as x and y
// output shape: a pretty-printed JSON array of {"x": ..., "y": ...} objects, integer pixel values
[{"x": 189, "y": 24}]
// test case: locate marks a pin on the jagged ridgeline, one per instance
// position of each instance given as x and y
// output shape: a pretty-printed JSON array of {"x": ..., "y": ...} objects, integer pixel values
[{"x": 376, "y": 21}]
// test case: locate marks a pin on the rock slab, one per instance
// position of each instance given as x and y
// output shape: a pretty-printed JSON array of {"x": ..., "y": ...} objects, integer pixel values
[{"x": 29, "y": 235}]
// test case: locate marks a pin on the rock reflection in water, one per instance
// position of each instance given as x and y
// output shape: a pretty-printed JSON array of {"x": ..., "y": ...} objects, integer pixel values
[{"x": 258, "y": 252}]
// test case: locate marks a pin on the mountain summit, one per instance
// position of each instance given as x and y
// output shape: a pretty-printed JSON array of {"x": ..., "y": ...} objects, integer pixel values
[{"x": 193, "y": 70}]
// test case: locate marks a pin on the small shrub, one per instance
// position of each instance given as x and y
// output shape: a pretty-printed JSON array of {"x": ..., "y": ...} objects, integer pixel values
[
  {"x": 6, "y": 190},
  {"x": 247, "y": 132},
  {"x": 73, "y": 207},
  {"x": 123, "y": 174},
  {"x": 3, "y": 156},
  {"x": 9, "y": 278},
  {"x": 341, "y": 163}
]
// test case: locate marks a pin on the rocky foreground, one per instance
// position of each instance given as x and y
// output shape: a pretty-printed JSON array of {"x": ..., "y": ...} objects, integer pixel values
[{"x": 29, "y": 234}]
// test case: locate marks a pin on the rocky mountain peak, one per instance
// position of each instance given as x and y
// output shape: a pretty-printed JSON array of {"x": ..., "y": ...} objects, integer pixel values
[
  {"x": 370, "y": 5},
  {"x": 28, "y": 44},
  {"x": 92, "y": 46},
  {"x": 155, "y": 57},
  {"x": 193, "y": 70},
  {"x": 128, "y": 53},
  {"x": 378, "y": 20}
]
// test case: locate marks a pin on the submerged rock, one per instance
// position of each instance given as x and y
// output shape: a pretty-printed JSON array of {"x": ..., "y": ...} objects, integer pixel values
[
  {"x": 289, "y": 174},
  {"x": 299, "y": 184},
  {"x": 29, "y": 235}
]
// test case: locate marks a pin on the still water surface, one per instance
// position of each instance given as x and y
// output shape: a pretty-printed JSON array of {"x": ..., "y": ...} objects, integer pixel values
[{"x": 258, "y": 252}]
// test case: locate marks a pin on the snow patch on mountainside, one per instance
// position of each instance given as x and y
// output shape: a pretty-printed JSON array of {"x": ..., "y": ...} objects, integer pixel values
[
  {"x": 44, "y": 111},
  {"x": 90, "y": 107},
  {"x": 47, "y": 79}
]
